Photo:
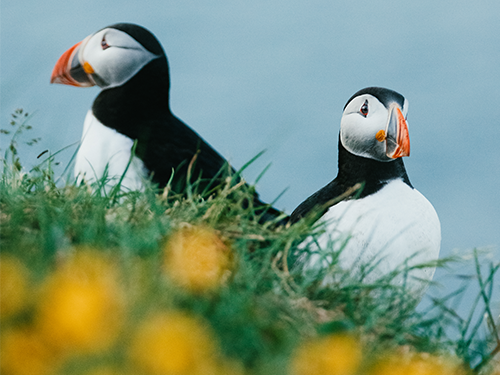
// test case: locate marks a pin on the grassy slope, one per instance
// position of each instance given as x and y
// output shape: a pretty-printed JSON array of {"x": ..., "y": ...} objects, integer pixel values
[{"x": 251, "y": 305}]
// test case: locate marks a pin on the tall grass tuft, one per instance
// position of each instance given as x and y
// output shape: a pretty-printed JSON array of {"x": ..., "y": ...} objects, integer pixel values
[{"x": 124, "y": 282}]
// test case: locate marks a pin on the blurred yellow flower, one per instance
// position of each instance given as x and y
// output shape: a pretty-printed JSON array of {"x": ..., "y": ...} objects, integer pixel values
[
  {"x": 196, "y": 258},
  {"x": 81, "y": 304},
  {"x": 13, "y": 285},
  {"x": 337, "y": 354},
  {"x": 174, "y": 344},
  {"x": 23, "y": 352},
  {"x": 417, "y": 364}
]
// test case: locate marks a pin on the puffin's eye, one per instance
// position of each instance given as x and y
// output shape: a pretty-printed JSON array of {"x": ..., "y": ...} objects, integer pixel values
[
  {"x": 104, "y": 44},
  {"x": 364, "y": 109}
]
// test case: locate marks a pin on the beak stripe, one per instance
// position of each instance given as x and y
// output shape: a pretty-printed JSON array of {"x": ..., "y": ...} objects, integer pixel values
[
  {"x": 403, "y": 138},
  {"x": 60, "y": 74},
  {"x": 69, "y": 71}
]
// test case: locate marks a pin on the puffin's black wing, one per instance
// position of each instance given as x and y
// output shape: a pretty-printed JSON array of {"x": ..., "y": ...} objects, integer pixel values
[
  {"x": 163, "y": 153},
  {"x": 320, "y": 201},
  {"x": 172, "y": 146},
  {"x": 358, "y": 177}
]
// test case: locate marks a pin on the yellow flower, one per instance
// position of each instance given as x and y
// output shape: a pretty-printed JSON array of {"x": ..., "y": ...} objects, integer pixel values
[
  {"x": 417, "y": 364},
  {"x": 338, "y": 354},
  {"x": 23, "y": 352},
  {"x": 81, "y": 304},
  {"x": 196, "y": 258},
  {"x": 174, "y": 344},
  {"x": 13, "y": 286}
]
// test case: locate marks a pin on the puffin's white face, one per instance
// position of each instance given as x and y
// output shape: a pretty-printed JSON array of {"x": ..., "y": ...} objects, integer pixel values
[
  {"x": 112, "y": 57},
  {"x": 108, "y": 58},
  {"x": 371, "y": 130}
]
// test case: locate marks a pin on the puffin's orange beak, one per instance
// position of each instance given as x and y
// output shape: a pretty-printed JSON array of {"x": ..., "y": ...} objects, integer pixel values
[
  {"x": 397, "y": 135},
  {"x": 69, "y": 71}
]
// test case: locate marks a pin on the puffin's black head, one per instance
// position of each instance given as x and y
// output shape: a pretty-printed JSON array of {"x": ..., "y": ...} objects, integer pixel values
[
  {"x": 374, "y": 124},
  {"x": 142, "y": 35},
  {"x": 110, "y": 57}
]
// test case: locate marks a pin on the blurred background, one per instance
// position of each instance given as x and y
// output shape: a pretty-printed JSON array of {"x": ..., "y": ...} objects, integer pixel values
[{"x": 274, "y": 76}]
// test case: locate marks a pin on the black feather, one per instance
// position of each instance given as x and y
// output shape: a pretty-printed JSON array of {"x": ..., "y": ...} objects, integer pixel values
[
  {"x": 353, "y": 169},
  {"x": 140, "y": 110}
]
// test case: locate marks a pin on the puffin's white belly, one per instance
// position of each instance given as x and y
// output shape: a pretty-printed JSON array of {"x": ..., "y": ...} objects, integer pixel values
[
  {"x": 105, "y": 152},
  {"x": 391, "y": 226}
]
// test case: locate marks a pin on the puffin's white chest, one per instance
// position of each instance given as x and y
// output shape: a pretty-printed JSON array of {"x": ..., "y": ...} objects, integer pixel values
[
  {"x": 105, "y": 152},
  {"x": 392, "y": 225}
]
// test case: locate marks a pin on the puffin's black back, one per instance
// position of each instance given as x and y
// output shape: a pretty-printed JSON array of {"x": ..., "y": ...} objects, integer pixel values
[
  {"x": 353, "y": 169},
  {"x": 140, "y": 110}
]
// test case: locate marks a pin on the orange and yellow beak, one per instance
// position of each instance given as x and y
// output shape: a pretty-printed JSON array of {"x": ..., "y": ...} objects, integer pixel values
[
  {"x": 396, "y": 135},
  {"x": 70, "y": 71}
]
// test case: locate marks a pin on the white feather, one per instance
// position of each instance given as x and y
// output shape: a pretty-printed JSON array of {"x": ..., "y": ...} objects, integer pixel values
[
  {"x": 358, "y": 133},
  {"x": 104, "y": 151},
  {"x": 118, "y": 63},
  {"x": 393, "y": 225}
]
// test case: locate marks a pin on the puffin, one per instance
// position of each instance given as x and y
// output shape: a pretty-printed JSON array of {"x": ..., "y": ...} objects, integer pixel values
[
  {"x": 130, "y": 134},
  {"x": 371, "y": 213}
]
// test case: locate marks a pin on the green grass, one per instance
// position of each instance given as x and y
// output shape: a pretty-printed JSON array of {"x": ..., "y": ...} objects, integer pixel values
[{"x": 264, "y": 309}]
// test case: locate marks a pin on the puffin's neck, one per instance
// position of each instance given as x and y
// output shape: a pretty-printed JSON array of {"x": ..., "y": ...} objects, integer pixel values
[
  {"x": 141, "y": 101},
  {"x": 374, "y": 174}
]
